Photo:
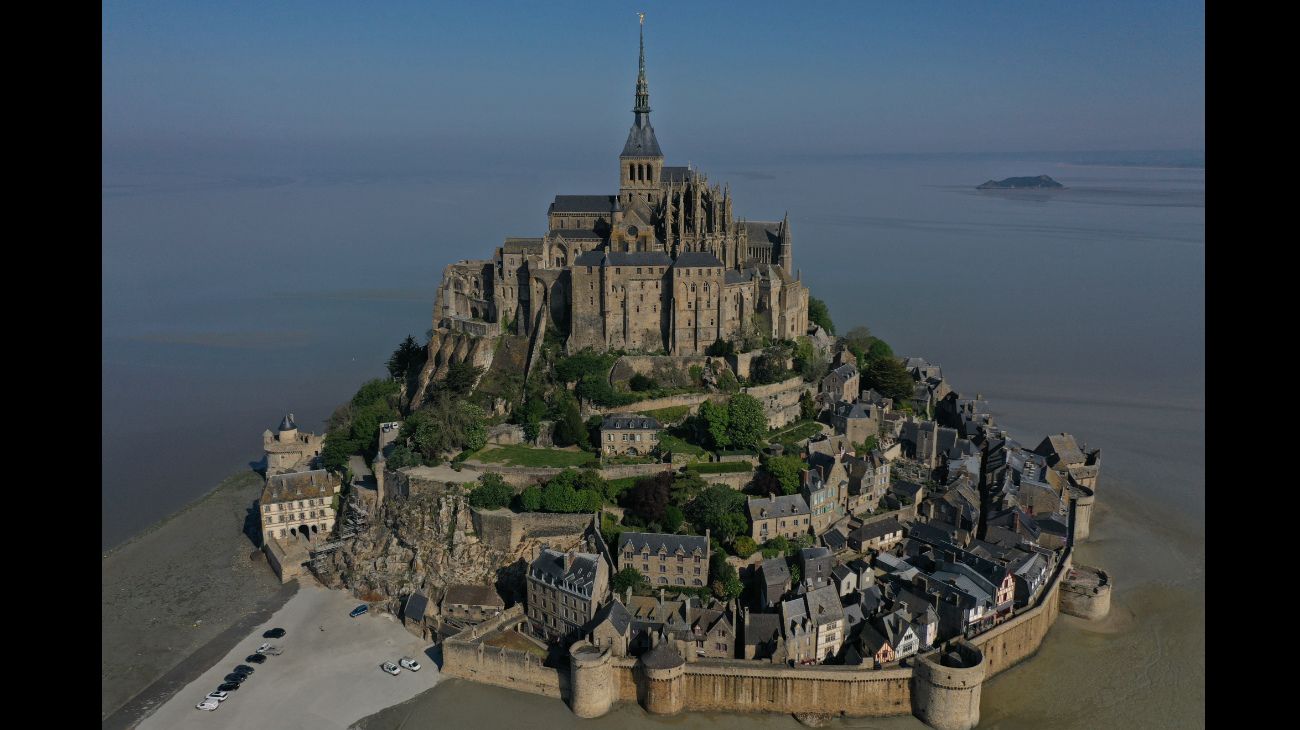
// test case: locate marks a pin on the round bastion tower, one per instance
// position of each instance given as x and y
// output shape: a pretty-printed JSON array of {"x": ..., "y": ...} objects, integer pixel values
[
  {"x": 1083, "y": 498},
  {"x": 665, "y": 672},
  {"x": 592, "y": 680},
  {"x": 946, "y": 687}
]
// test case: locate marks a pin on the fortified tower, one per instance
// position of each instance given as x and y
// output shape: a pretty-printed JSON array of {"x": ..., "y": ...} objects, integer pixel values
[
  {"x": 665, "y": 672},
  {"x": 592, "y": 680},
  {"x": 946, "y": 687}
]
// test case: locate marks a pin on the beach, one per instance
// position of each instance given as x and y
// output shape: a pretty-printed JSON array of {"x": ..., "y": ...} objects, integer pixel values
[{"x": 176, "y": 597}]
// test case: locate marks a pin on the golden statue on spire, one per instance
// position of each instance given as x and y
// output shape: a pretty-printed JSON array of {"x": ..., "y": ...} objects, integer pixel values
[{"x": 642, "y": 17}]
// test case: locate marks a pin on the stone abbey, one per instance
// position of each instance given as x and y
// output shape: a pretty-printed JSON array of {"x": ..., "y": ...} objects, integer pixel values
[{"x": 662, "y": 266}]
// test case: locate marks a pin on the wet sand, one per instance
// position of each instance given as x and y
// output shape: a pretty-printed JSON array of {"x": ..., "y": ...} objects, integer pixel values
[{"x": 178, "y": 596}]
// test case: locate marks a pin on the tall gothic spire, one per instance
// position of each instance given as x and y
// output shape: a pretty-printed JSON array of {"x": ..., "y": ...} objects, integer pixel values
[
  {"x": 641, "y": 140},
  {"x": 642, "y": 88}
]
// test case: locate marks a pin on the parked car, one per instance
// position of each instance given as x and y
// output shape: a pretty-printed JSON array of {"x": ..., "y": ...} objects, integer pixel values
[
  {"x": 363, "y": 608},
  {"x": 236, "y": 678},
  {"x": 409, "y": 663},
  {"x": 274, "y": 634},
  {"x": 255, "y": 658},
  {"x": 208, "y": 704},
  {"x": 219, "y": 696},
  {"x": 228, "y": 687},
  {"x": 244, "y": 669},
  {"x": 391, "y": 668},
  {"x": 268, "y": 649}
]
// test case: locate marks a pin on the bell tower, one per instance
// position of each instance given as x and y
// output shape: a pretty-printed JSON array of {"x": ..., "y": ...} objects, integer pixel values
[{"x": 640, "y": 166}]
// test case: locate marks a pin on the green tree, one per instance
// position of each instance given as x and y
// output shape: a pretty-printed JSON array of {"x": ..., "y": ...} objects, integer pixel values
[
  {"x": 626, "y": 578},
  {"x": 673, "y": 518},
  {"x": 558, "y": 496},
  {"x": 711, "y": 429},
  {"x": 746, "y": 422},
  {"x": 640, "y": 383},
  {"x": 492, "y": 492},
  {"x": 888, "y": 376},
  {"x": 569, "y": 427},
  {"x": 727, "y": 382},
  {"x": 406, "y": 359},
  {"x": 858, "y": 340},
  {"x": 530, "y": 500},
  {"x": 807, "y": 406},
  {"x": 726, "y": 582},
  {"x": 721, "y": 348},
  {"x": 744, "y": 546},
  {"x": 819, "y": 313},
  {"x": 338, "y": 447},
  {"x": 719, "y": 509},
  {"x": 401, "y": 456},
  {"x": 460, "y": 378},
  {"x": 581, "y": 364},
  {"x": 787, "y": 470},
  {"x": 795, "y": 574}
]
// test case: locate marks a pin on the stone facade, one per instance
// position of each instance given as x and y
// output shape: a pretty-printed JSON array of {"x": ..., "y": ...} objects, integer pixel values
[
  {"x": 290, "y": 449},
  {"x": 628, "y": 434},
  {"x": 666, "y": 560},
  {"x": 298, "y": 505},
  {"x": 787, "y": 516},
  {"x": 564, "y": 592},
  {"x": 664, "y": 265}
]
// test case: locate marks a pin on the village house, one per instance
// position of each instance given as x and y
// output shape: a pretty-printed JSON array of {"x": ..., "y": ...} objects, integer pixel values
[
  {"x": 628, "y": 434},
  {"x": 298, "y": 505},
  {"x": 857, "y": 420},
  {"x": 786, "y": 516},
  {"x": 1063, "y": 454},
  {"x": 414, "y": 614},
  {"x": 666, "y": 560},
  {"x": 840, "y": 384},
  {"x": 761, "y": 635},
  {"x": 815, "y": 566},
  {"x": 879, "y": 536},
  {"x": 814, "y": 626},
  {"x": 564, "y": 592},
  {"x": 713, "y": 632},
  {"x": 824, "y": 492},
  {"x": 868, "y": 481},
  {"x": 471, "y": 604},
  {"x": 773, "y": 580}
]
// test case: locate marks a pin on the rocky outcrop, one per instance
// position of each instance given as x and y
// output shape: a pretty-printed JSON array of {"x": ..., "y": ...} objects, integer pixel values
[
  {"x": 447, "y": 348},
  {"x": 425, "y": 542}
]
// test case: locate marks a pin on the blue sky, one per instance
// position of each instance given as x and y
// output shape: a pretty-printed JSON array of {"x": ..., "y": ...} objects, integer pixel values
[{"x": 533, "y": 78}]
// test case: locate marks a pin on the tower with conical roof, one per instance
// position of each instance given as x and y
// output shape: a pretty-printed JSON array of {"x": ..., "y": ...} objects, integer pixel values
[{"x": 641, "y": 163}]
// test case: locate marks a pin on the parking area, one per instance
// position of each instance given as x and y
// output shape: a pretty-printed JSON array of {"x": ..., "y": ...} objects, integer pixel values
[{"x": 326, "y": 678}]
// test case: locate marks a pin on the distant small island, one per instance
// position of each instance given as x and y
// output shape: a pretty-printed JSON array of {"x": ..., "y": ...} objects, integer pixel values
[{"x": 1018, "y": 183}]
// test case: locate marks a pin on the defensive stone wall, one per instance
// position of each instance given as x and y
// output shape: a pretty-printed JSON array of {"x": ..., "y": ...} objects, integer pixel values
[
  {"x": 691, "y": 400},
  {"x": 503, "y": 529},
  {"x": 946, "y": 687},
  {"x": 780, "y": 400},
  {"x": 1013, "y": 641},
  {"x": 669, "y": 372},
  {"x": 466, "y": 656}
]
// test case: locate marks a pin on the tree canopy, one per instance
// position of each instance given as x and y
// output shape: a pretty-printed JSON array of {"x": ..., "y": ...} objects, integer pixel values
[
  {"x": 888, "y": 376},
  {"x": 786, "y": 470},
  {"x": 719, "y": 509},
  {"x": 492, "y": 492},
  {"x": 746, "y": 422},
  {"x": 819, "y": 313}
]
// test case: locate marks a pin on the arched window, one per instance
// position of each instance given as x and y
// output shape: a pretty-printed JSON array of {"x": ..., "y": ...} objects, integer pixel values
[{"x": 631, "y": 172}]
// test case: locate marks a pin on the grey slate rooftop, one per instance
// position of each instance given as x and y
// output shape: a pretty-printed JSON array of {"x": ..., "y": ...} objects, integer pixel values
[
  {"x": 784, "y": 506},
  {"x": 579, "y": 578},
  {"x": 584, "y": 204},
  {"x": 687, "y": 544},
  {"x": 697, "y": 258},
  {"x": 629, "y": 421}
]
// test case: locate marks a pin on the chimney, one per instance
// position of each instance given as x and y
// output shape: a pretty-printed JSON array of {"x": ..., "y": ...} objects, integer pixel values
[
  {"x": 661, "y": 597},
  {"x": 568, "y": 560},
  {"x": 627, "y": 596}
]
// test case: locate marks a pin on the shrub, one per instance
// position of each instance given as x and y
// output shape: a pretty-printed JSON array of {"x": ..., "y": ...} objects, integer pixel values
[
  {"x": 744, "y": 546},
  {"x": 641, "y": 383},
  {"x": 492, "y": 492}
]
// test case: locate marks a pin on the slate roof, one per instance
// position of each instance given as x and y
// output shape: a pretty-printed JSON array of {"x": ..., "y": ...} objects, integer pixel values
[
  {"x": 775, "y": 571},
  {"x": 580, "y": 577},
  {"x": 298, "y": 485},
  {"x": 584, "y": 204},
  {"x": 417, "y": 605},
  {"x": 932, "y": 533},
  {"x": 873, "y": 530},
  {"x": 824, "y": 606},
  {"x": 676, "y": 174},
  {"x": 637, "y": 258},
  {"x": 733, "y": 276},
  {"x": 688, "y": 544},
  {"x": 786, "y": 505},
  {"x": 697, "y": 258},
  {"x": 472, "y": 595},
  {"x": 629, "y": 421},
  {"x": 286, "y": 423},
  {"x": 641, "y": 141},
  {"x": 834, "y": 540},
  {"x": 768, "y": 232},
  {"x": 761, "y": 627},
  {"x": 616, "y": 613},
  {"x": 872, "y": 640},
  {"x": 663, "y": 656},
  {"x": 847, "y": 370}
]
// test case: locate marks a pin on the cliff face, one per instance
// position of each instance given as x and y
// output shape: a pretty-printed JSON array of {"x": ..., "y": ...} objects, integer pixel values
[
  {"x": 447, "y": 348},
  {"x": 425, "y": 542}
]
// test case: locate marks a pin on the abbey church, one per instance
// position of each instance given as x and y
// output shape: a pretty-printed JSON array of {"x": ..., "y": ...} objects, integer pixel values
[{"x": 662, "y": 266}]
